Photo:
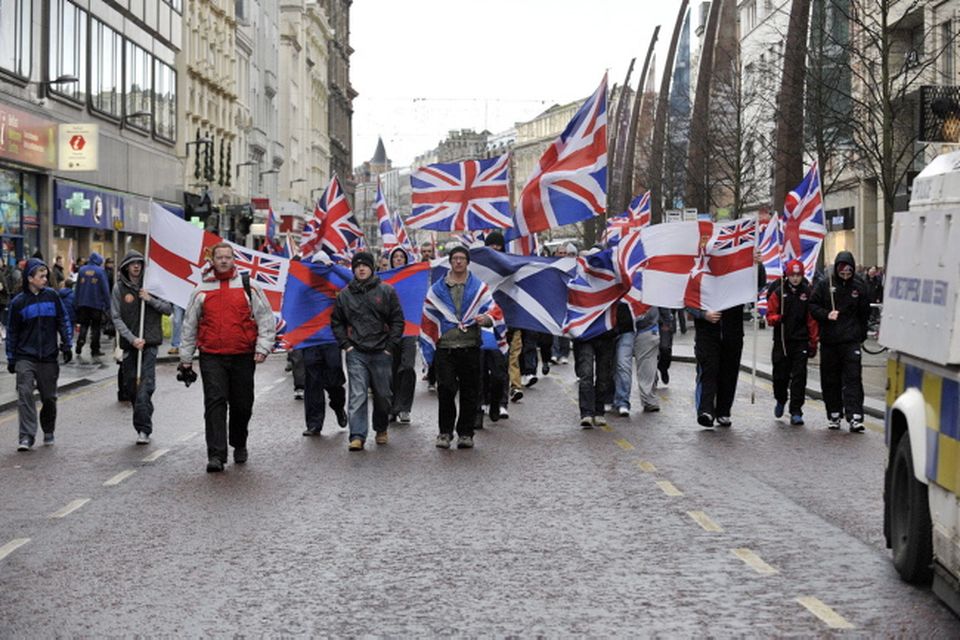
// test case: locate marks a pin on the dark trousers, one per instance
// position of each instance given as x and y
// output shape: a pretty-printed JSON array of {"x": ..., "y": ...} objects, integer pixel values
[
  {"x": 404, "y": 374},
  {"x": 718, "y": 367},
  {"x": 790, "y": 373},
  {"x": 89, "y": 318},
  {"x": 322, "y": 373},
  {"x": 534, "y": 342},
  {"x": 227, "y": 384},
  {"x": 295, "y": 358},
  {"x": 493, "y": 378},
  {"x": 594, "y": 365},
  {"x": 841, "y": 381},
  {"x": 458, "y": 370},
  {"x": 665, "y": 353},
  {"x": 142, "y": 396}
]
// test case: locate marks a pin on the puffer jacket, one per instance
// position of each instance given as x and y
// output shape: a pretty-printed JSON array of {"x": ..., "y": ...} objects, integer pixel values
[
  {"x": 367, "y": 316},
  {"x": 789, "y": 312},
  {"x": 849, "y": 297},
  {"x": 125, "y": 307},
  {"x": 36, "y": 320},
  {"x": 92, "y": 290}
]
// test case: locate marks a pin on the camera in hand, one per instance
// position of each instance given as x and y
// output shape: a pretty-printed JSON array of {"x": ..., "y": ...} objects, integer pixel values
[{"x": 186, "y": 375}]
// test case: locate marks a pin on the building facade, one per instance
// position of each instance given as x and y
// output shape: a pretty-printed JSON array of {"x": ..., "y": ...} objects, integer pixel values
[{"x": 341, "y": 93}]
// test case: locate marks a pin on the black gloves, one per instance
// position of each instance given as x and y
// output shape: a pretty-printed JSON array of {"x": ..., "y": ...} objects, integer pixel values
[
  {"x": 67, "y": 355},
  {"x": 186, "y": 374},
  {"x": 12, "y": 367}
]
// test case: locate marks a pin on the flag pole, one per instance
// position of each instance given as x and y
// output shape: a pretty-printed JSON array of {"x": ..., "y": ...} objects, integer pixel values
[
  {"x": 756, "y": 316},
  {"x": 143, "y": 305}
]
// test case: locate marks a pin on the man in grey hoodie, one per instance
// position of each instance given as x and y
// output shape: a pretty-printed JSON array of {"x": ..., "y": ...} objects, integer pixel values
[{"x": 128, "y": 300}]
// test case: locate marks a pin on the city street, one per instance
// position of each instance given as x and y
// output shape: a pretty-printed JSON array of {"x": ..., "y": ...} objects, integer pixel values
[{"x": 652, "y": 526}]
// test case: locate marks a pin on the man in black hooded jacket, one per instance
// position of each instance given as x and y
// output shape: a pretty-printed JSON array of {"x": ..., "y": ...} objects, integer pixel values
[{"x": 842, "y": 307}]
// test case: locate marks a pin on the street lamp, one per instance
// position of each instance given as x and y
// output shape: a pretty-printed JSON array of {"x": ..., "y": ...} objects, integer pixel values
[
  {"x": 312, "y": 191},
  {"x": 263, "y": 173},
  {"x": 65, "y": 78},
  {"x": 248, "y": 163},
  {"x": 293, "y": 182},
  {"x": 136, "y": 115}
]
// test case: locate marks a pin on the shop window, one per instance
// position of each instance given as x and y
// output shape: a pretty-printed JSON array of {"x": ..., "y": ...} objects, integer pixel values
[
  {"x": 68, "y": 49},
  {"x": 106, "y": 57},
  {"x": 165, "y": 102},
  {"x": 138, "y": 87},
  {"x": 16, "y": 36},
  {"x": 19, "y": 217}
]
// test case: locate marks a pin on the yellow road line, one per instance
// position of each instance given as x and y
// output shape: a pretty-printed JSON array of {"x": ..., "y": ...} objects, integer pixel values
[
  {"x": 754, "y": 561},
  {"x": 155, "y": 455},
  {"x": 120, "y": 477},
  {"x": 833, "y": 619},
  {"x": 188, "y": 436},
  {"x": 12, "y": 546},
  {"x": 874, "y": 426},
  {"x": 704, "y": 521},
  {"x": 606, "y": 428},
  {"x": 645, "y": 466},
  {"x": 69, "y": 508},
  {"x": 625, "y": 445},
  {"x": 668, "y": 488}
]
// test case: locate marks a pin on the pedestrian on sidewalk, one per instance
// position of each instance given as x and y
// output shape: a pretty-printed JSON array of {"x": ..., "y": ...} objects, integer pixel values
[
  {"x": 176, "y": 327},
  {"x": 36, "y": 317},
  {"x": 368, "y": 323},
  {"x": 455, "y": 309},
  {"x": 718, "y": 345},
  {"x": 229, "y": 319},
  {"x": 403, "y": 367},
  {"x": 92, "y": 300},
  {"x": 593, "y": 362},
  {"x": 795, "y": 337},
  {"x": 841, "y": 305},
  {"x": 129, "y": 297}
]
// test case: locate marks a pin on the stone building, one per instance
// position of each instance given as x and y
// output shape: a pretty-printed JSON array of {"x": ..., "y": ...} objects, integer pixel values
[{"x": 341, "y": 93}]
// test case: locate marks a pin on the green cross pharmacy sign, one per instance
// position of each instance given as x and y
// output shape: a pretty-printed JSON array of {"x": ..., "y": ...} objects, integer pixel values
[{"x": 77, "y": 204}]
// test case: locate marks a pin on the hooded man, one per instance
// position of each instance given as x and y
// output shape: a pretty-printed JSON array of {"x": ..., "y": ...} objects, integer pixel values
[
  {"x": 92, "y": 300},
  {"x": 368, "y": 323},
  {"x": 129, "y": 297},
  {"x": 795, "y": 335},
  {"x": 841, "y": 306},
  {"x": 404, "y": 358},
  {"x": 230, "y": 320},
  {"x": 36, "y": 317}
]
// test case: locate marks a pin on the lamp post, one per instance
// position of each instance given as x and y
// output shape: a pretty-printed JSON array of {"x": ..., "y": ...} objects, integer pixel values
[{"x": 263, "y": 173}]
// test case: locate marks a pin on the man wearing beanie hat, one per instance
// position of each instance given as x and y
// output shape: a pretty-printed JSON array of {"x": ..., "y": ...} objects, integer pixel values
[
  {"x": 368, "y": 322},
  {"x": 795, "y": 335},
  {"x": 36, "y": 317}
]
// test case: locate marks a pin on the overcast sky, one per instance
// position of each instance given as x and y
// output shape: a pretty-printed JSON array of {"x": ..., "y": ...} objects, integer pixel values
[{"x": 424, "y": 67}]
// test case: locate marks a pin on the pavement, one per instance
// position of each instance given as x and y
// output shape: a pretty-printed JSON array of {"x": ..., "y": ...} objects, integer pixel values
[{"x": 87, "y": 370}]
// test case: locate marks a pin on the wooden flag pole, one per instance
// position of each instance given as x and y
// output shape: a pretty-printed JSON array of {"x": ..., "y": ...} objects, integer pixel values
[{"x": 143, "y": 307}]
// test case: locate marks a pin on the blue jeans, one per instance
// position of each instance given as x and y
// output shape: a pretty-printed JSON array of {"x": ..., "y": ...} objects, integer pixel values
[
  {"x": 177, "y": 324},
  {"x": 623, "y": 372},
  {"x": 368, "y": 370}
]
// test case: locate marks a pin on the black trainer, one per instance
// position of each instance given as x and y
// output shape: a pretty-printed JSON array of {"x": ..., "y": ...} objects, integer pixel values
[
  {"x": 495, "y": 411},
  {"x": 342, "y": 418},
  {"x": 214, "y": 465},
  {"x": 705, "y": 419},
  {"x": 240, "y": 456},
  {"x": 311, "y": 432}
]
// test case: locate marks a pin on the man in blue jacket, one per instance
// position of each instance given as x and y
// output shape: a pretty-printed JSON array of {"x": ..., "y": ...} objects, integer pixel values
[
  {"x": 92, "y": 301},
  {"x": 36, "y": 317}
]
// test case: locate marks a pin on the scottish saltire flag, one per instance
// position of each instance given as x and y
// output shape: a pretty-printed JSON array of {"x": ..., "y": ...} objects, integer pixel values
[
  {"x": 570, "y": 181},
  {"x": 411, "y": 283},
  {"x": 473, "y": 194},
  {"x": 637, "y": 216},
  {"x": 724, "y": 274},
  {"x": 440, "y": 312},
  {"x": 593, "y": 294},
  {"x": 804, "y": 224},
  {"x": 388, "y": 237},
  {"x": 769, "y": 245},
  {"x": 308, "y": 302},
  {"x": 333, "y": 229},
  {"x": 531, "y": 291}
]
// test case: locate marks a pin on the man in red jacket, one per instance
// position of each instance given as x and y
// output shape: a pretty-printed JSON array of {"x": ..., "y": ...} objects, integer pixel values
[{"x": 231, "y": 322}]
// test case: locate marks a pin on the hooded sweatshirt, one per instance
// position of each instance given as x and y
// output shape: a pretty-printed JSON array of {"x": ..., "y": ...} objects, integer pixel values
[
  {"x": 125, "y": 307},
  {"x": 92, "y": 290},
  {"x": 849, "y": 297}
]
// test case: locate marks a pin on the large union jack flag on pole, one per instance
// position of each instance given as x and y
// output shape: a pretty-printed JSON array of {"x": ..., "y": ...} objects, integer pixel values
[
  {"x": 804, "y": 224},
  {"x": 570, "y": 181},
  {"x": 473, "y": 194},
  {"x": 334, "y": 229},
  {"x": 388, "y": 235},
  {"x": 637, "y": 216}
]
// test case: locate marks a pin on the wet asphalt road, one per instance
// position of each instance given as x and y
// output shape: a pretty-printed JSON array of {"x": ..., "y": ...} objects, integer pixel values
[{"x": 653, "y": 527}]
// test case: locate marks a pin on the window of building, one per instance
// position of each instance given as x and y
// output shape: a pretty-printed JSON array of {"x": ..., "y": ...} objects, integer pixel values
[
  {"x": 16, "y": 31},
  {"x": 177, "y": 5},
  {"x": 106, "y": 63},
  {"x": 68, "y": 49},
  {"x": 748, "y": 16},
  {"x": 165, "y": 101},
  {"x": 948, "y": 43},
  {"x": 138, "y": 85}
]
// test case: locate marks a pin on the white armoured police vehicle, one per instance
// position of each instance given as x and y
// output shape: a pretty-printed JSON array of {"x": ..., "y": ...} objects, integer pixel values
[{"x": 921, "y": 327}]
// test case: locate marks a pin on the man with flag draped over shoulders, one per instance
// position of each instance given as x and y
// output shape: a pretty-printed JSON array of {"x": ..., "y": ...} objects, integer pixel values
[{"x": 455, "y": 309}]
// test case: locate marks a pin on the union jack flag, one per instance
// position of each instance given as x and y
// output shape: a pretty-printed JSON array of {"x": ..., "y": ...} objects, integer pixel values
[
  {"x": 473, "y": 194},
  {"x": 769, "y": 245},
  {"x": 263, "y": 269},
  {"x": 733, "y": 237},
  {"x": 570, "y": 181},
  {"x": 403, "y": 239},
  {"x": 523, "y": 245},
  {"x": 593, "y": 294},
  {"x": 637, "y": 216},
  {"x": 804, "y": 224},
  {"x": 335, "y": 230},
  {"x": 388, "y": 236}
]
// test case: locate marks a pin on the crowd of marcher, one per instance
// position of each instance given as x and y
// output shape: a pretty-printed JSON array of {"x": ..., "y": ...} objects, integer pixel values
[{"x": 476, "y": 365}]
